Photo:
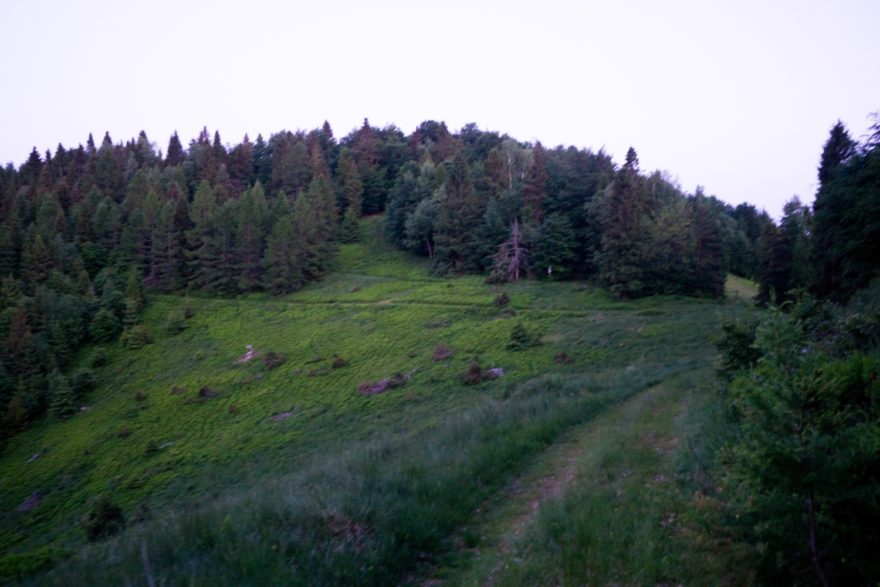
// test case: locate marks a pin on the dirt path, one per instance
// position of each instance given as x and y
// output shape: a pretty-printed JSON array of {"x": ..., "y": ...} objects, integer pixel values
[{"x": 501, "y": 523}]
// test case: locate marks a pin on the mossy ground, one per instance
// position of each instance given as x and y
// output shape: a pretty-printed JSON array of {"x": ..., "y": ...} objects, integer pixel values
[{"x": 383, "y": 313}]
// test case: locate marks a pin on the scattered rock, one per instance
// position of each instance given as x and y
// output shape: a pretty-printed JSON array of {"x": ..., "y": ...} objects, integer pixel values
[
  {"x": 248, "y": 356},
  {"x": 476, "y": 374},
  {"x": 37, "y": 455},
  {"x": 374, "y": 388},
  {"x": 495, "y": 373},
  {"x": 281, "y": 416},
  {"x": 30, "y": 502},
  {"x": 338, "y": 362},
  {"x": 318, "y": 372},
  {"x": 442, "y": 352},
  {"x": 397, "y": 380}
]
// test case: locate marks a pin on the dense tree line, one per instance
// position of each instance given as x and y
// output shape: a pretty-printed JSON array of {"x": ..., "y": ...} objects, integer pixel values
[
  {"x": 802, "y": 465},
  {"x": 478, "y": 201},
  {"x": 84, "y": 231},
  {"x": 832, "y": 249}
]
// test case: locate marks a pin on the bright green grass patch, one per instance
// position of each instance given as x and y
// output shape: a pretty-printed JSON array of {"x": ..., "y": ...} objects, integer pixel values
[{"x": 740, "y": 287}]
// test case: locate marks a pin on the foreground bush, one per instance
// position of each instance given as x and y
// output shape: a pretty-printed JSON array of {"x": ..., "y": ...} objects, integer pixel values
[{"x": 804, "y": 470}]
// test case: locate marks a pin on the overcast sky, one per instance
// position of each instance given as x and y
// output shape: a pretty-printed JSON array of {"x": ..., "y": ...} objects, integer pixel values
[{"x": 735, "y": 96}]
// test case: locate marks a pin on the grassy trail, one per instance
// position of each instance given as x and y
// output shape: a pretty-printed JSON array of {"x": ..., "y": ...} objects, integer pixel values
[{"x": 625, "y": 450}]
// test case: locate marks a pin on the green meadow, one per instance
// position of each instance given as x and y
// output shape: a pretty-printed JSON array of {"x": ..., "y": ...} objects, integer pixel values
[{"x": 232, "y": 472}]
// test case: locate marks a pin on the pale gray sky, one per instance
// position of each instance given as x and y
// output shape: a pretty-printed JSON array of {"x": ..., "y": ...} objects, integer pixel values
[{"x": 735, "y": 96}]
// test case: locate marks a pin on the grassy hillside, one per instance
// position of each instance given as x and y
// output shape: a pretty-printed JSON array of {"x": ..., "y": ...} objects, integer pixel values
[{"x": 291, "y": 475}]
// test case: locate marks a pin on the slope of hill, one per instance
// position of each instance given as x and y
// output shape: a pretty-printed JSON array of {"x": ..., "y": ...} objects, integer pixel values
[{"x": 234, "y": 471}]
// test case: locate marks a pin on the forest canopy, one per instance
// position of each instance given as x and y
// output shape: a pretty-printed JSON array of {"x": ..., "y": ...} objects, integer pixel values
[{"x": 86, "y": 231}]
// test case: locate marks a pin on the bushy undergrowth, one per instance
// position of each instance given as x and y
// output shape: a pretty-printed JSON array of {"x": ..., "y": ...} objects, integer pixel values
[{"x": 803, "y": 468}]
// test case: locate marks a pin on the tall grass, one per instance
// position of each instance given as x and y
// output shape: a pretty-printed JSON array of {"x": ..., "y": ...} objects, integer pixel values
[
  {"x": 630, "y": 517},
  {"x": 368, "y": 516}
]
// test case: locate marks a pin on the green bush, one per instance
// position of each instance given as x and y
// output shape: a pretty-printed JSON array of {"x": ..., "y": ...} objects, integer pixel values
[
  {"x": 104, "y": 520},
  {"x": 737, "y": 348},
  {"x": 136, "y": 337},
  {"x": 82, "y": 382},
  {"x": 175, "y": 321},
  {"x": 99, "y": 357},
  {"x": 104, "y": 327},
  {"x": 804, "y": 468},
  {"x": 520, "y": 338}
]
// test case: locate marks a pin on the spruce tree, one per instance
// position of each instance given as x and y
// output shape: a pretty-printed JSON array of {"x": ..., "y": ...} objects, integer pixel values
[
  {"x": 284, "y": 257},
  {"x": 458, "y": 221},
  {"x": 623, "y": 245},
  {"x": 348, "y": 179},
  {"x": 535, "y": 188},
  {"x": 249, "y": 237},
  {"x": 708, "y": 256},
  {"x": 829, "y": 209},
  {"x": 174, "y": 155}
]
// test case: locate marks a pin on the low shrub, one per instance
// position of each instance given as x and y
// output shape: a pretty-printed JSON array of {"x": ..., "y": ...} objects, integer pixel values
[
  {"x": 175, "y": 321},
  {"x": 520, "y": 338},
  {"x": 82, "y": 382},
  {"x": 104, "y": 520},
  {"x": 136, "y": 337},
  {"x": 99, "y": 357},
  {"x": 273, "y": 360}
]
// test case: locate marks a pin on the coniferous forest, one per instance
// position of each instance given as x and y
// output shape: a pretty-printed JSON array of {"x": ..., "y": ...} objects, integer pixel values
[
  {"x": 89, "y": 234},
  {"x": 85, "y": 231}
]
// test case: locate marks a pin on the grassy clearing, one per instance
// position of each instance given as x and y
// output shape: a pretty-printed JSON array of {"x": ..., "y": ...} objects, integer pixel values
[
  {"x": 741, "y": 287},
  {"x": 337, "y": 487}
]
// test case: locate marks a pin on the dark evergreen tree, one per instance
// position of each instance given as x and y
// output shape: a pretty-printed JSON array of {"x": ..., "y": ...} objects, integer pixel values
[
  {"x": 174, "y": 155},
  {"x": 708, "y": 272},
  {"x": 283, "y": 261},
  {"x": 535, "y": 188},
  {"x": 458, "y": 220},
  {"x": 249, "y": 236},
  {"x": 348, "y": 179},
  {"x": 104, "y": 326},
  {"x": 553, "y": 247},
  {"x": 623, "y": 246},
  {"x": 829, "y": 208}
]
